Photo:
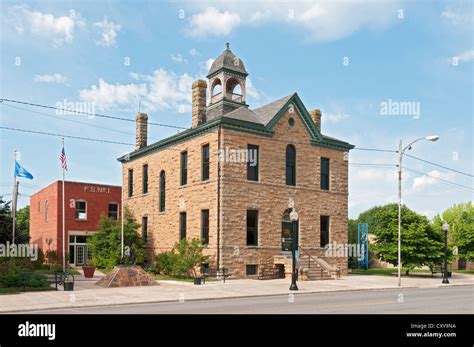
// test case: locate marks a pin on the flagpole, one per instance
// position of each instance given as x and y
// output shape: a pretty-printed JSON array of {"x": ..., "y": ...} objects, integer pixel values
[
  {"x": 64, "y": 220},
  {"x": 122, "y": 232},
  {"x": 14, "y": 201}
]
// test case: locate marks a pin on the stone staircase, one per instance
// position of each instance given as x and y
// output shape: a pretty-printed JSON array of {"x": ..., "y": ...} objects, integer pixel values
[{"x": 311, "y": 268}]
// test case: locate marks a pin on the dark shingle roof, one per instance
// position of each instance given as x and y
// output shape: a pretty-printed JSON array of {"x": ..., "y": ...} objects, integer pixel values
[
  {"x": 229, "y": 61},
  {"x": 243, "y": 113},
  {"x": 266, "y": 112}
]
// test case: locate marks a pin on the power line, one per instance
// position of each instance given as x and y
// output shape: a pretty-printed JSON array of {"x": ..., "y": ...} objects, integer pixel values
[
  {"x": 444, "y": 167},
  {"x": 440, "y": 179},
  {"x": 66, "y": 136},
  {"x": 88, "y": 113},
  {"x": 74, "y": 121}
]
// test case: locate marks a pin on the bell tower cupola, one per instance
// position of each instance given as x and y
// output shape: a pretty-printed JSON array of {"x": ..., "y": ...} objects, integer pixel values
[{"x": 226, "y": 84}]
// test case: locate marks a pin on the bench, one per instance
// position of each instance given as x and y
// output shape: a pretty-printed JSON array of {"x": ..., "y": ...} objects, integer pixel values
[
  {"x": 221, "y": 273},
  {"x": 57, "y": 278},
  {"x": 438, "y": 269}
]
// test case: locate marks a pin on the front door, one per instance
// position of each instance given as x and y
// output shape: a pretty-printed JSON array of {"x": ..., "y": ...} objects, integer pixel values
[
  {"x": 286, "y": 234},
  {"x": 80, "y": 255}
]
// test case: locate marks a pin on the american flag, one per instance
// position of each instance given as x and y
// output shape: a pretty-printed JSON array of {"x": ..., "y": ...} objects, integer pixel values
[{"x": 62, "y": 157}]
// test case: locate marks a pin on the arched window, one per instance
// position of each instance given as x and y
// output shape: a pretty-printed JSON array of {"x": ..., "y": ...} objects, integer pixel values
[
  {"x": 216, "y": 90},
  {"x": 233, "y": 90},
  {"x": 162, "y": 191},
  {"x": 290, "y": 165}
]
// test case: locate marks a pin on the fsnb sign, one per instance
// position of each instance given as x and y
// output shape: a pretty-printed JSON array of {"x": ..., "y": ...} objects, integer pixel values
[{"x": 96, "y": 189}]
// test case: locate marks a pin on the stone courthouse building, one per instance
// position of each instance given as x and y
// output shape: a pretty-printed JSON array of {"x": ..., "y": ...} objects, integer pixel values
[{"x": 231, "y": 179}]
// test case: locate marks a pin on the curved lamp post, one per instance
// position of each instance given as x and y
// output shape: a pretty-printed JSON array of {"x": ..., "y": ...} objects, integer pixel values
[
  {"x": 293, "y": 219},
  {"x": 401, "y": 151},
  {"x": 445, "y": 272}
]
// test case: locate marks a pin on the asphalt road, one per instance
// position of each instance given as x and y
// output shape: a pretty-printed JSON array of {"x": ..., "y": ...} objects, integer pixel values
[{"x": 455, "y": 299}]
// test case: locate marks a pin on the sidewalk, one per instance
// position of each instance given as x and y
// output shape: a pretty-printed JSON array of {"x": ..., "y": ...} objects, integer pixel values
[{"x": 87, "y": 294}]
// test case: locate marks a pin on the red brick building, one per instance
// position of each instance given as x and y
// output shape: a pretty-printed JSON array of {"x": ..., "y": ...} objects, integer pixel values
[{"x": 84, "y": 204}]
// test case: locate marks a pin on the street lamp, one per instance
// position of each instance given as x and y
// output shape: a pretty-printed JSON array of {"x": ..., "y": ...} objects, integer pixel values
[
  {"x": 445, "y": 272},
  {"x": 401, "y": 151},
  {"x": 293, "y": 219}
]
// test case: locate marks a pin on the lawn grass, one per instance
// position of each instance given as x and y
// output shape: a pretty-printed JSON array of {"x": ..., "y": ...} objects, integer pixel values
[
  {"x": 386, "y": 271},
  {"x": 391, "y": 271},
  {"x": 468, "y": 272},
  {"x": 17, "y": 290}
]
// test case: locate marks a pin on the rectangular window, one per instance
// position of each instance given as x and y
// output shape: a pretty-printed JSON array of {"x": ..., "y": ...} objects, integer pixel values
[
  {"x": 145, "y": 178},
  {"x": 46, "y": 210},
  {"x": 184, "y": 168},
  {"x": 251, "y": 270},
  {"x": 113, "y": 211},
  {"x": 324, "y": 173},
  {"x": 324, "y": 231},
  {"x": 205, "y": 227},
  {"x": 252, "y": 228},
  {"x": 145, "y": 229},
  {"x": 81, "y": 210},
  {"x": 130, "y": 182},
  {"x": 205, "y": 162},
  {"x": 182, "y": 225},
  {"x": 252, "y": 163}
]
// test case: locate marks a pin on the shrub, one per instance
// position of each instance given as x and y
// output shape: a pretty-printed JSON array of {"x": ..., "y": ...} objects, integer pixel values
[
  {"x": 184, "y": 258},
  {"x": 167, "y": 263}
]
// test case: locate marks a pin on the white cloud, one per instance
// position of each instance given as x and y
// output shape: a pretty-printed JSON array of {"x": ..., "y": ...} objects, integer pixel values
[
  {"x": 52, "y": 78},
  {"x": 109, "y": 33},
  {"x": 59, "y": 30},
  {"x": 424, "y": 181},
  {"x": 178, "y": 58},
  {"x": 194, "y": 53},
  {"x": 252, "y": 92},
  {"x": 318, "y": 20},
  {"x": 334, "y": 117},
  {"x": 161, "y": 90},
  {"x": 465, "y": 56},
  {"x": 212, "y": 22},
  {"x": 458, "y": 17}
]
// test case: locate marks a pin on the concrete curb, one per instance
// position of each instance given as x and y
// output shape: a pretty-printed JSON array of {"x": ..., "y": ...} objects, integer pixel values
[{"x": 62, "y": 306}]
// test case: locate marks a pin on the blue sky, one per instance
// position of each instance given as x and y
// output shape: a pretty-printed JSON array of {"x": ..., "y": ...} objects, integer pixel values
[{"x": 346, "y": 58}]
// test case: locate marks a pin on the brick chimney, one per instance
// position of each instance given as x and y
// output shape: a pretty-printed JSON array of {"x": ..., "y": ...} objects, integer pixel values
[
  {"x": 142, "y": 130},
  {"x": 198, "y": 103},
  {"x": 316, "y": 117}
]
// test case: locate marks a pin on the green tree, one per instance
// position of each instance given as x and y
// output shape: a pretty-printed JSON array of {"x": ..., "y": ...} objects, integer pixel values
[
  {"x": 421, "y": 243},
  {"x": 351, "y": 240},
  {"x": 106, "y": 243},
  {"x": 6, "y": 223},
  {"x": 460, "y": 218},
  {"x": 23, "y": 223}
]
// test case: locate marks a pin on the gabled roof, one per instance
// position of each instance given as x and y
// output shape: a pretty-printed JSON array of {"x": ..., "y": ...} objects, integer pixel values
[
  {"x": 266, "y": 113},
  {"x": 259, "y": 121}
]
